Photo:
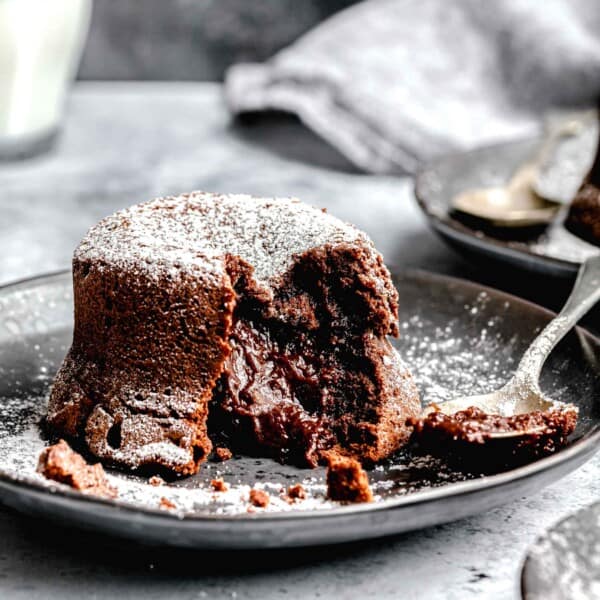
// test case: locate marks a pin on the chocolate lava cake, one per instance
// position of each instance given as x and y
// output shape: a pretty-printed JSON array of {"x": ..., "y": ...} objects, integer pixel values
[
  {"x": 584, "y": 214},
  {"x": 259, "y": 323}
]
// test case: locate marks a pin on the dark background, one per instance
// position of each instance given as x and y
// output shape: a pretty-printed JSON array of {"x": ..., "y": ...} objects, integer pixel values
[{"x": 192, "y": 39}]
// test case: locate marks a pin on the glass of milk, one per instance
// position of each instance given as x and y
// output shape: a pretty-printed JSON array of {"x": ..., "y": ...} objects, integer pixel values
[{"x": 40, "y": 46}]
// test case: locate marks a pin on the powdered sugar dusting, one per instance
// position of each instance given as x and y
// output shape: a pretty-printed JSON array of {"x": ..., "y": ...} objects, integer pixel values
[
  {"x": 201, "y": 228},
  {"x": 447, "y": 365}
]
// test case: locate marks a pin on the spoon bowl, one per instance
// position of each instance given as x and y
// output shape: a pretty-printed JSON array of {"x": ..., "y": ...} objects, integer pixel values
[
  {"x": 517, "y": 204},
  {"x": 507, "y": 207}
]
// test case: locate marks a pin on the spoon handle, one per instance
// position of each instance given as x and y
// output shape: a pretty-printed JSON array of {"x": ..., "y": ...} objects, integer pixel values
[{"x": 585, "y": 294}]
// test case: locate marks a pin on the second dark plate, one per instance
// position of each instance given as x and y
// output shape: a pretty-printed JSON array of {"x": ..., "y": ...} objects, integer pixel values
[{"x": 555, "y": 252}]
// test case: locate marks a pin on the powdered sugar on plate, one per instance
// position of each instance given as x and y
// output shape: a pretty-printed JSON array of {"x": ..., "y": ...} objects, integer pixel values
[{"x": 456, "y": 343}]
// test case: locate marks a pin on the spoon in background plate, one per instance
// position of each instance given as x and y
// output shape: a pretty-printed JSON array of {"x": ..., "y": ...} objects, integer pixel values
[
  {"x": 522, "y": 394},
  {"x": 517, "y": 204}
]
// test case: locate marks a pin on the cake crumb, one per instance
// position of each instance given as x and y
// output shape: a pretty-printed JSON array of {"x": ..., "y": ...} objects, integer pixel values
[
  {"x": 347, "y": 481},
  {"x": 61, "y": 463},
  {"x": 259, "y": 498},
  {"x": 155, "y": 481},
  {"x": 219, "y": 485},
  {"x": 223, "y": 454},
  {"x": 296, "y": 492},
  {"x": 167, "y": 504}
]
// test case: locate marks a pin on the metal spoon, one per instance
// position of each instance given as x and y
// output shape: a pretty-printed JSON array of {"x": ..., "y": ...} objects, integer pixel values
[
  {"x": 517, "y": 204},
  {"x": 522, "y": 394}
]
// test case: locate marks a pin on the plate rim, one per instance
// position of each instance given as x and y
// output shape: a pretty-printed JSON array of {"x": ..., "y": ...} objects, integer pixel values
[
  {"x": 456, "y": 230},
  {"x": 586, "y": 445}
]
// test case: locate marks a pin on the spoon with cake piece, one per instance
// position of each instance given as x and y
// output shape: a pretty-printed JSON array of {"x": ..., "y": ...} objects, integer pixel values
[{"x": 518, "y": 414}]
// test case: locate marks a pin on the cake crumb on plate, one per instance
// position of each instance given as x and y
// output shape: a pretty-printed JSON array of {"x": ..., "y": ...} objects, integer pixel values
[
  {"x": 223, "y": 454},
  {"x": 347, "y": 481},
  {"x": 61, "y": 463},
  {"x": 167, "y": 504},
  {"x": 296, "y": 492},
  {"x": 259, "y": 498},
  {"x": 219, "y": 485}
]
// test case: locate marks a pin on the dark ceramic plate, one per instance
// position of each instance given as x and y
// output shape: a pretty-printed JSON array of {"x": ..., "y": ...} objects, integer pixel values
[
  {"x": 555, "y": 251},
  {"x": 458, "y": 337},
  {"x": 563, "y": 563}
]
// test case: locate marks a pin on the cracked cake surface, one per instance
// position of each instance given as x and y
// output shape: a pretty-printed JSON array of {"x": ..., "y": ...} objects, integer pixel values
[{"x": 258, "y": 324}]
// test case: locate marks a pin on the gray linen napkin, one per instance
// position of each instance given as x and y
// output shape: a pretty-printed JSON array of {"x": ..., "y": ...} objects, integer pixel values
[{"x": 391, "y": 83}]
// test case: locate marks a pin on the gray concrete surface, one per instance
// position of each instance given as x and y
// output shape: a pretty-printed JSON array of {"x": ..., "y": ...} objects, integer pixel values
[{"x": 123, "y": 143}]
